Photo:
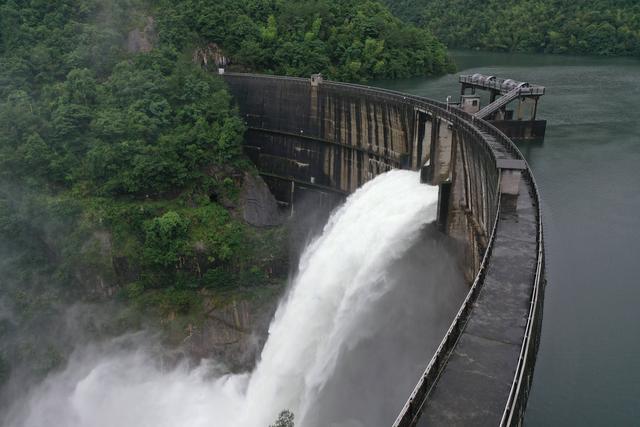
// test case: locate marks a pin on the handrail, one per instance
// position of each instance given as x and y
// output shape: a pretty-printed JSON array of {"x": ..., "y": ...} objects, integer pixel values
[
  {"x": 499, "y": 103},
  {"x": 477, "y": 127},
  {"x": 515, "y": 400},
  {"x": 431, "y": 374},
  {"x": 456, "y": 115},
  {"x": 515, "y": 393},
  {"x": 495, "y": 83}
]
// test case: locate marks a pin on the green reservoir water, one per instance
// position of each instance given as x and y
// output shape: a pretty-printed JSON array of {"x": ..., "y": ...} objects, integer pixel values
[{"x": 588, "y": 170}]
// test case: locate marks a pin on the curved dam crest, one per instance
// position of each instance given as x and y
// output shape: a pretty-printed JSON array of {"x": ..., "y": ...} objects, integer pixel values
[{"x": 329, "y": 138}]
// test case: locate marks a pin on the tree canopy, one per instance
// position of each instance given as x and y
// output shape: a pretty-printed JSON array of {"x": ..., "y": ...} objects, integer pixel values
[
  {"x": 119, "y": 169},
  {"x": 352, "y": 41},
  {"x": 589, "y": 27},
  {"x": 121, "y": 165}
]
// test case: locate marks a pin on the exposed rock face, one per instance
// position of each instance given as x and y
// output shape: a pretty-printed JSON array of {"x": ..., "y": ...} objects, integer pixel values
[
  {"x": 97, "y": 272},
  {"x": 233, "y": 333},
  {"x": 259, "y": 207},
  {"x": 142, "y": 40},
  {"x": 210, "y": 56}
]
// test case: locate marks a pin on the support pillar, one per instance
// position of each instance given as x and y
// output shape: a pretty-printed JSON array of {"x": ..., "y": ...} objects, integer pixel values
[
  {"x": 444, "y": 195},
  {"x": 526, "y": 109},
  {"x": 316, "y": 81},
  {"x": 421, "y": 147},
  {"x": 438, "y": 169}
]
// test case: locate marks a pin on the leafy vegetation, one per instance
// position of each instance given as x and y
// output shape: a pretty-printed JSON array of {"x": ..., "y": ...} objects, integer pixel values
[
  {"x": 352, "y": 41},
  {"x": 593, "y": 27},
  {"x": 285, "y": 419},
  {"x": 120, "y": 174},
  {"x": 121, "y": 169},
  {"x": 135, "y": 144}
]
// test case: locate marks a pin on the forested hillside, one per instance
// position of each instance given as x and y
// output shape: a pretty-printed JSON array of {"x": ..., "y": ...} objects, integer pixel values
[
  {"x": 353, "y": 41},
  {"x": 120, "y": 177},
  {"x": 590, "y": 27},
  {"x": 121, "y": 170}
]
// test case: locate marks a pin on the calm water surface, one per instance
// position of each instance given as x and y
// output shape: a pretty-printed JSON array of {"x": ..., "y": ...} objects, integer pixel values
[{"x": 588, "y": 170}]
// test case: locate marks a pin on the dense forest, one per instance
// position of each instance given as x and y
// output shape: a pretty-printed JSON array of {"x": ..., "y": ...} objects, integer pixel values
[
  {"x": 121, "y": 169},
  {"x": 590, "y": 27},
  {"x": 348, "y": 41}
]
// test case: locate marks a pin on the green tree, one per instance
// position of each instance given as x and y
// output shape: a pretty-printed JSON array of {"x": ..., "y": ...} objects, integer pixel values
[
  {"x": 600, "y": 27},
  {"x": 166, "y": 239},
  {"x": 285, "y": 419},
  {"x": 354, "y": 41}
]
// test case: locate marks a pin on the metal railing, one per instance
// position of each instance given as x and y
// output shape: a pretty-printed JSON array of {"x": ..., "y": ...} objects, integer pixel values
[
  {"x": 499, "y": 103},
  {"x": 517, "y": 396},
  {"x": 477, "y": 128},
  {"x": 498, "y": 84},
  {"x": 413, "y": 407}
]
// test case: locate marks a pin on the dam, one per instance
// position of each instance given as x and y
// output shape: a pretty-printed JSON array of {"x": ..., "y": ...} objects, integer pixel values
[{"x": 329, "y": 138}]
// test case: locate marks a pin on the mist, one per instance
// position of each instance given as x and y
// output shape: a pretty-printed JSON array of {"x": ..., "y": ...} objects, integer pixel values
[
  {"x": 371, "y": 300},
  {"x": 404, "y": 328}
]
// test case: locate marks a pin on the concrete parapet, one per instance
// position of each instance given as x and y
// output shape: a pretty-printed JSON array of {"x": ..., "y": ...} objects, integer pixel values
[
  {"x": 511, "y": 174},
  {"x": 317, "y": 135}
]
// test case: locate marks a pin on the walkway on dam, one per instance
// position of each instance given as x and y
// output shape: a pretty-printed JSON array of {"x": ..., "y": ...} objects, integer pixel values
[
  {"x": 323, "y": 134},
  {"x": 479, "y": 371}
]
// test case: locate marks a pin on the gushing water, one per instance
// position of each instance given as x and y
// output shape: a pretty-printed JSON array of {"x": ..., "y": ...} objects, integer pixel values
[{"x": 342, "y": 274}]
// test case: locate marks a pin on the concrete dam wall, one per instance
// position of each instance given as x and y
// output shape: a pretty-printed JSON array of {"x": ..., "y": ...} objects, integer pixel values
[{"x": 310, "y": 135}]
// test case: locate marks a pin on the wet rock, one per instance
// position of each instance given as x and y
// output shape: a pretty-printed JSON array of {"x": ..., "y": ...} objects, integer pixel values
[
  {"x": 97, "y": 273},
  {"x": 233, "y": 333},
  {"x": 259, "y": 207}
]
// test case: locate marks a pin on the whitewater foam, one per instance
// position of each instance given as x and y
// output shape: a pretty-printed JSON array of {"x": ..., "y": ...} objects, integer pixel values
[{"x": 341, "y": 276}]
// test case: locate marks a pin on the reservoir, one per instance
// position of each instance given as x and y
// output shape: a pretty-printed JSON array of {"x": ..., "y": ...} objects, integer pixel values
[{"x": 588, "y": 171}]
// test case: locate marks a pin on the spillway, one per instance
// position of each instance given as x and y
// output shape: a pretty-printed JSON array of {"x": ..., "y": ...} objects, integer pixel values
[{"x": 341, "y": 347}]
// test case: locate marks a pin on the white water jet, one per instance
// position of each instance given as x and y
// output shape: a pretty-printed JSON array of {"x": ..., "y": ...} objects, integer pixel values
[{"x": 341, "y": 276}]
